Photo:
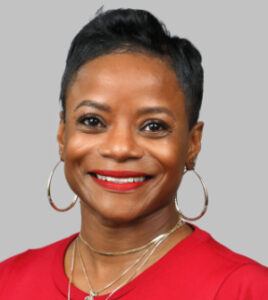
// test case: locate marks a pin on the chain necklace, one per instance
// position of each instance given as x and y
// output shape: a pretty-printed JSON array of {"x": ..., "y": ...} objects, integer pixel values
[
  {"x": 157, "y": 241},
  {"x": 92, "y": 292},
  {"x": 139, "y": 267},
  {"x": 147, "y": 245},
  {"x": 72, "y": 269}
]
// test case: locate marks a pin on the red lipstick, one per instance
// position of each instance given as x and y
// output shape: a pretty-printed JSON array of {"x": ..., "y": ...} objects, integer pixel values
[
  {"x": 119, "y": 174},
  {"x": 122, "y": 186}
]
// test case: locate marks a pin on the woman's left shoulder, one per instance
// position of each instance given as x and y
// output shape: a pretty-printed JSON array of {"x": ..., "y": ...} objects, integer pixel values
[
  {"x": 248, "y": 281},
  {"x": 235, "y": 276}
]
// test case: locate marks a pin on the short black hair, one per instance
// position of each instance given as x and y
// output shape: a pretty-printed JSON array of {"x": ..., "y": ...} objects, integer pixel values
[{"x": 134, "y": 30}]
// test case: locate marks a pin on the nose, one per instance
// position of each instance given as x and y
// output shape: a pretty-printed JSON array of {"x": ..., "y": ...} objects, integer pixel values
[{"x": 120, "y": 144}]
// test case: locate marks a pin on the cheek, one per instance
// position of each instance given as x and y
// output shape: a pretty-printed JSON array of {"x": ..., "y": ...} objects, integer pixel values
[
  {"x": 171, "y": 154},
  {"x": 77, "y": 145},
  {"x": 78, "y": 148}
]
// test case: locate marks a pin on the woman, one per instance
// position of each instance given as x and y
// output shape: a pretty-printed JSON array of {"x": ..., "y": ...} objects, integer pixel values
[{"x": 129, "y": 130}]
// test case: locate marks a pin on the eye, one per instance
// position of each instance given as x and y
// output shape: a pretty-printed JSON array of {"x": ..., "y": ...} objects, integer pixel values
[
  {"x": 155, "y": 126},
  {"x": 91, "y": 121}
]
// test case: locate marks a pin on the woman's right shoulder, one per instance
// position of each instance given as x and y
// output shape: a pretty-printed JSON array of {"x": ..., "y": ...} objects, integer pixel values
[{"x": 32, "y": 260}]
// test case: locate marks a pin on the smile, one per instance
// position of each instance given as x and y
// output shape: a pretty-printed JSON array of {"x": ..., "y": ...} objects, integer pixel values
[{"x": 120, "y": 180}]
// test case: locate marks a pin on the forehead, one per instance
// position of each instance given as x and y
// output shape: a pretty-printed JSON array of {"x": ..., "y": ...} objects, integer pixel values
[{"x": 126, "y": 76}]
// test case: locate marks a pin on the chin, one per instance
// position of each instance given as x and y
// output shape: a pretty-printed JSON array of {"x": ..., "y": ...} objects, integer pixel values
[
  {"x": 119, "y": 215},
  {"x": 116, "y": 212}
]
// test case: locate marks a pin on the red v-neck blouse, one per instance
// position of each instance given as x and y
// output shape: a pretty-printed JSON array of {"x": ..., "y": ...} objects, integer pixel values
[{"x": 197, "y": 268}]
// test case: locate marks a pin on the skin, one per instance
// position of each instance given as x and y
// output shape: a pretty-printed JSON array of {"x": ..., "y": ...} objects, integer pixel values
[{"x": 122, "y": 139}]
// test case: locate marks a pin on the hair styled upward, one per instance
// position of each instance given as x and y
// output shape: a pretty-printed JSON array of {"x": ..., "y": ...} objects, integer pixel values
[{"x": 131, "y": 30}]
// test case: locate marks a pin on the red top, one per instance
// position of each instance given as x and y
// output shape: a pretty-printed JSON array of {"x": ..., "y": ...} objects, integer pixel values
[{"x": 198, "y": 268}]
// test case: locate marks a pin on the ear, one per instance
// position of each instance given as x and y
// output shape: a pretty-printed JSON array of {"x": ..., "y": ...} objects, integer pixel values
[
  {"x": 60, "y": 136},
  {"x": 194, "y": 146}
]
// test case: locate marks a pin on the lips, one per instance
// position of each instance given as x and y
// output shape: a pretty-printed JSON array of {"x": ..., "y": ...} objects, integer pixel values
[
  {"x": 120, "y": 180},
  {"x": 119, "y": 174}
]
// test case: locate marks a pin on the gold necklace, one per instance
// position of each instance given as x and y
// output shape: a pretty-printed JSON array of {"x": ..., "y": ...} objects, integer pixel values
[
  {"x": 157, "y": 241},
  {"x": 93, "y": 293},
  {"x": 134, "y": 250}
]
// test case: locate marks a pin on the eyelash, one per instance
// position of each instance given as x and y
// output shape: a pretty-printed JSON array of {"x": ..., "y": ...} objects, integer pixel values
[
  {"x": 83, "y": 119},
  {"x": 162, "y": 124},
  {"x": 88, "y": 117}
]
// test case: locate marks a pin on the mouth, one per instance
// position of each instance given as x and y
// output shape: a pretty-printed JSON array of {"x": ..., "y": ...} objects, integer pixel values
[{"x": 120, "y": 180}]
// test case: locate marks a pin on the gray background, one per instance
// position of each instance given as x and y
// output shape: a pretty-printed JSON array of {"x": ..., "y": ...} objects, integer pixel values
[{"x": 232, "y": 37}]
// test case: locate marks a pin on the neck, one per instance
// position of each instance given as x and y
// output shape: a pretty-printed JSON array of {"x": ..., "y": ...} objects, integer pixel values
[
  {"x": 114, "y": 237},
  {"x": 111, "y": 236}
]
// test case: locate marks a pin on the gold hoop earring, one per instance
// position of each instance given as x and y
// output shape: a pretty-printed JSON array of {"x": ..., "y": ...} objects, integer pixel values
[
  {"x": 49, "y": 193},
  {"x": 205, "y": 199}
]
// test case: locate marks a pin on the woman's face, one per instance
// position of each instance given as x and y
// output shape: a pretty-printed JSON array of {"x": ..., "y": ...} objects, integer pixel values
[{"x": 126, "y": 112}]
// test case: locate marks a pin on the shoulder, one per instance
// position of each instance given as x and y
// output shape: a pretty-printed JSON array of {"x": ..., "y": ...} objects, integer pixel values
[
  {"x": 213, "y": 252},
  {"x": 237, "y": 276},
  {"x": 217, "y": 270},
  {"x": 248, "y": 281},
  {"x": 30, "y": 261}
]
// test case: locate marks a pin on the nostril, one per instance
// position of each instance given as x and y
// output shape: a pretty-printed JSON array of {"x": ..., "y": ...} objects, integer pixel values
[{"x": 121, "y": 152}]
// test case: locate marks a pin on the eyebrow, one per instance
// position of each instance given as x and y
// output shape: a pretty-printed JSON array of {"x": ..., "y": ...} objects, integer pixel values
[
  {"x": 141, "y": 111},
  {"x": 93, "y": 104},
  {"x": 155, "y": 110}
]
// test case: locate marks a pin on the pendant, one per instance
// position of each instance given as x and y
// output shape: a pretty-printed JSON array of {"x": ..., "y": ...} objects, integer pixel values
[{"x": 90, "y": 296}]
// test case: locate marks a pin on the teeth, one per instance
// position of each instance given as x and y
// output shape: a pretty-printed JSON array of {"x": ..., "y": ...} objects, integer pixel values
[{"x": 121, "y": 180}]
